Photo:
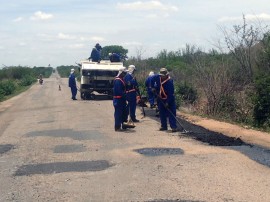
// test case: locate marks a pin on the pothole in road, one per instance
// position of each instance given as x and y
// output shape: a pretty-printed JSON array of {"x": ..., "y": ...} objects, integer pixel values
[
  {"x": 5, "y": 148},
  {"x": 69, "y": 148},
  {"x": 49, "y": 121},
  {"x": 159, "y": 151},
  {"x": 76, "y": 135},
  {"x": 60, "y": 167},
  {"x": 174, "y": 200}
]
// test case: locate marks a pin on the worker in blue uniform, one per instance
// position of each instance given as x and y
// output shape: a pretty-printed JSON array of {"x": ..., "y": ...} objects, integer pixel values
[
  {"x": 96, "y": 53},
  {"x": 162, "y": 85},
  {"x": 119, "y": 101},
  {"x": 151, "y": 96},
  {"x": 72, "y": 84},
  {"x": 131, "y": 92},
  {"x": 114, "y": 57}
]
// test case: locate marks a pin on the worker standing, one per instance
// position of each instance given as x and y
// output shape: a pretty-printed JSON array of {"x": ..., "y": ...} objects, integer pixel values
[
  {"x": 151, "y": 96},
  {"x": 131, "y": 91},
  {"x": 164, "y": 90},
  {"x": 119, "y": 101},
  {"x": 96, "y": 53},
  {"x": 72, "y": 84}
]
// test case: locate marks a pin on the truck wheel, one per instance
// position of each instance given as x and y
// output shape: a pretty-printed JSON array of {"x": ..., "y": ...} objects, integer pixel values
[
  {"x": 82, "y": 96},
  {"x": 92, "y": 96}
]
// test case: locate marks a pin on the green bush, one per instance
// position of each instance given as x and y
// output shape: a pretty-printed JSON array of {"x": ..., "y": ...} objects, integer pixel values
[
  {"x": 27, "y": 80},
  {"x": 186, "y": 93},
  {"x": 7, "y": 86},
  {"x": 261, "y": 101},
  {"x": 2, "y": 94}
]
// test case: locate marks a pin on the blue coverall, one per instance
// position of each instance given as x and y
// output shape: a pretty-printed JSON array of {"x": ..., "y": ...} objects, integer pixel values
[
  {"x": 166, "y": 100},
  {"x": 115, "y": 57},
  {"x": 151, "y": 96},
  {"x": 72, "y": 85},
  {"x": 131, "y": 91},
  {"x": 95, "y": 55},
  {"x": 119, "y": 102}
]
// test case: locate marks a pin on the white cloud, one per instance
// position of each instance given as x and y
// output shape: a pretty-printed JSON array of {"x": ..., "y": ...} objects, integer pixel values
[
  {"x": 46, "y": 37},
  {"x": 22, "y": 44},
  {"x": 65, "y": 36},
  {"x": 41, "y": 16},
  {"x": 77, "y": 46},
  {"x": 18, "y": 19},
  {"x": 152, "y": 16},
  {"x": 262, "y": 16},
  {"x": 149, "y": 5},
  {"x": 97, "y": 38},
  {"x": 132, "y": 43}
]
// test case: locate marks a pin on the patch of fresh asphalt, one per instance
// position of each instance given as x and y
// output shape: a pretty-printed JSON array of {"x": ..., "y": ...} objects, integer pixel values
[
  {"x": 174, "y": 200},
  {"x": 48, "y": 121},
  {"x": 74, "y": 148},
  {"x": 5, "y": 148},
  {"x": 254, "y": 152},
  {"x": 60, "y": 167},
  {"x": 76, "y": 135},
  {"x": 159, "y": 151}
]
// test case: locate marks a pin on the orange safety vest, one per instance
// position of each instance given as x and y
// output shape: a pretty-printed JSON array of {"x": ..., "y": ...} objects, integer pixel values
[{"x": 162, "y": 93}]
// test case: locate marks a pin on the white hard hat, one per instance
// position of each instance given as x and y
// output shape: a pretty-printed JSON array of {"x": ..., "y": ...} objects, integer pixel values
[
  {"x": 131, "y": 68},
  {"x": 72, "y": 70},
  {"x": 151, "y": 73},
  {"x": 123, "y": 69}
]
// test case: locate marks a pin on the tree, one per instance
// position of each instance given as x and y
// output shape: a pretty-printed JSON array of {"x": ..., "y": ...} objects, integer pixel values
[
  {"x": 240, "y": 41},
  {"x": 113, "y": 49}
]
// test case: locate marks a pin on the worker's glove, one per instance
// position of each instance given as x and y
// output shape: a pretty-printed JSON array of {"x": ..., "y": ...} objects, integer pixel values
[
  {"x": 166, "y": 105},
  {"x": 154, "y": 90}
]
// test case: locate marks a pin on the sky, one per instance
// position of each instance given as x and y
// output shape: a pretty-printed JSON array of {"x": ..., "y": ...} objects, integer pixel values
[{"x": 63, "y": 32}]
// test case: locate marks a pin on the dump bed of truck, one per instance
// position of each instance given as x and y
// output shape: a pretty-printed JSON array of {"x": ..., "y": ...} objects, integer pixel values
[{"x": 103, "y": 65}]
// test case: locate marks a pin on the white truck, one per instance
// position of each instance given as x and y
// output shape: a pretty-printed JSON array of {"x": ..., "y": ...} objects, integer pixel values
[{"x": 98, "y": 77}]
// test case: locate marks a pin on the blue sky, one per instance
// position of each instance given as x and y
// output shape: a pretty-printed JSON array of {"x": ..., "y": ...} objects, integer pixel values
[{"x": 62, "y": 32}]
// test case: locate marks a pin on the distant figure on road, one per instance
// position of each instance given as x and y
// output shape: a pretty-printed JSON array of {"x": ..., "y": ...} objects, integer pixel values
[
  {"x": 114, "y": 57},
  {"x": 96, "y": 53},
  {"x": 72, "y": 84},
  {"x": 40, "y": 79}
]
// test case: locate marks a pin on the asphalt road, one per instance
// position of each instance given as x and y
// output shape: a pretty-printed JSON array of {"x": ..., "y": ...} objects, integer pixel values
[{"x": 55, "y": 149}]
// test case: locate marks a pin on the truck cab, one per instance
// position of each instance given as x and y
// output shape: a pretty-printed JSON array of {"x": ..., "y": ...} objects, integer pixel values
[{"x": 98, "y": 77}]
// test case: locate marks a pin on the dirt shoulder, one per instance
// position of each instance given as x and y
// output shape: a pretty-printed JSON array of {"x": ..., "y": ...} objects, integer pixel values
[{"x": 249, "y": 136}]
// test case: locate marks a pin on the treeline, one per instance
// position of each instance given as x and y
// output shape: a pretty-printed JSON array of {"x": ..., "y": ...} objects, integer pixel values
[
  {"x": 13, "y": 79},
  {"x": 231, "y": 85},
  {"x": 64, "y": 71}
]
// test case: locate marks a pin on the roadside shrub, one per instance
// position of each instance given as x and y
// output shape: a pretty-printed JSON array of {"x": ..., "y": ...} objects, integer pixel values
[
  {"x": 261, "y": 101},
  {"x": 185, "y": 93},
  {"x": 2, "y": 94},
  {"x": 7, "y": 86},
  {"x": 27, "y": 80}
]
